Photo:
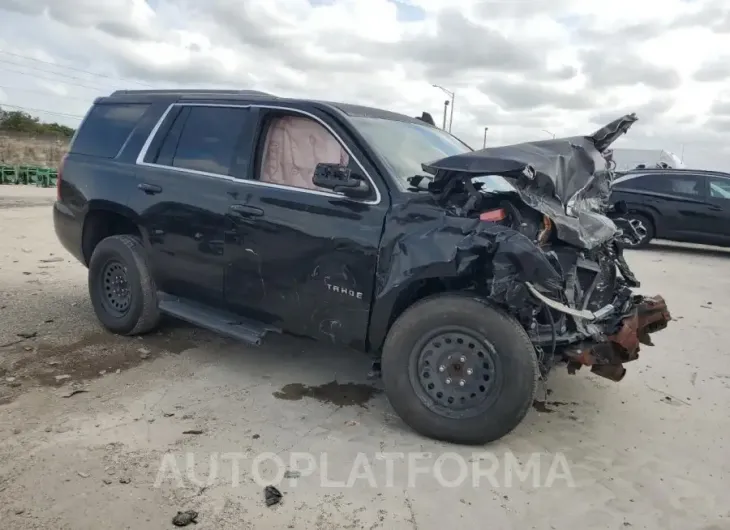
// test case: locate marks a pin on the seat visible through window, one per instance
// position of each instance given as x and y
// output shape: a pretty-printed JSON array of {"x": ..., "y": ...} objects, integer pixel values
[
  {"x": 685, "y": 186},
  {"x": 294, "y": 146}
]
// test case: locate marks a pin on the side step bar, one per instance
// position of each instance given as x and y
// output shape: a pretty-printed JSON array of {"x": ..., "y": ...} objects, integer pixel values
[{"x": 221, "y": 322}]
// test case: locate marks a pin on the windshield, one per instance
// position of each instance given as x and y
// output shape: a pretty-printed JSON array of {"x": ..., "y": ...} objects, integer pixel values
[{"x": 404, "y": 146}]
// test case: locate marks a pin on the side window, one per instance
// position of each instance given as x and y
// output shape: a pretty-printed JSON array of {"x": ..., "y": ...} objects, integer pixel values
[
  {"x": 720, "y": 188},
  {"x": 203, "y": 139},
  {"x": 106, "y": 128},
  {"x": 643, "y": 183},
  {"x": 689, "y": 185},
  {"x": 628, "y": 183},
  {"x": 685, "y": 185},
  {"x": 292, "y": 148}
]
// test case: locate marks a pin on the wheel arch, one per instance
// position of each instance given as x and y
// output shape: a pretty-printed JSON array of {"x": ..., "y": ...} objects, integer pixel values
[
  {"x": 104, "y": 219},
  {"x": 387, "y": 309}
]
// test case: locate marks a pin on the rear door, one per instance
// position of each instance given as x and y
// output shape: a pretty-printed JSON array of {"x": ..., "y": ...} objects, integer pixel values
[
  {"x": 184, "y": 181},
  {"x": 719, "y": 192}
]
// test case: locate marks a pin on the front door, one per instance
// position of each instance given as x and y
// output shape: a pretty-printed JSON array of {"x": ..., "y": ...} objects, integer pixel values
[
  {"x": 305, "y": 258},
  {"x": 184, "y": 180},
  {"x": 719, "y": 199}
]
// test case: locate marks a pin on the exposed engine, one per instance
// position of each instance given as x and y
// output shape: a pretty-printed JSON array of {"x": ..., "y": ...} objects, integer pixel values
[{"x": 553, "y": 259}]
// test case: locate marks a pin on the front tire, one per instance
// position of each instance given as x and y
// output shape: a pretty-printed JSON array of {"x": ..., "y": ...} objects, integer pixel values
[
  {"x": 121, "y": 287},
  {"x": 459, "y": 370}
]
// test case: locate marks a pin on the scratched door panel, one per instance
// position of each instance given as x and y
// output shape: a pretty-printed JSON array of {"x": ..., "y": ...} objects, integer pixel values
[{"x": 307, "y": 264}]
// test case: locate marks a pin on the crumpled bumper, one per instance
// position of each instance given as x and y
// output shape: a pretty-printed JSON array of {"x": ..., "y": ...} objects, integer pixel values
[{"x": 606, "y": 357}]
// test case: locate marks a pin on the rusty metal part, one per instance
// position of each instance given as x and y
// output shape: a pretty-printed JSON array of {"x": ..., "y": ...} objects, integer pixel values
[
  {"x": 653, "y": 316},
  {"x": 606, "y": 358},
  {"x": 614, "y": 372}
]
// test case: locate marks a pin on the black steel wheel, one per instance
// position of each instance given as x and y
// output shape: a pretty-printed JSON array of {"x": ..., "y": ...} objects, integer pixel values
[
  {"x": 456, "y": 368},
  {"x": 456, "y": 372},
  {"x": 121, "y": 287},
  {"x": 117, "y": 296}
]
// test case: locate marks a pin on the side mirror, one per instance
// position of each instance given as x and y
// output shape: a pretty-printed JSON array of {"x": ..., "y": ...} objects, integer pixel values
[{"x": 340, "y": 179}]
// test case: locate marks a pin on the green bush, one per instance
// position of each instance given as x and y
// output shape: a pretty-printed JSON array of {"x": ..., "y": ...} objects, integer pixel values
[{"x": 22, "y": 122}]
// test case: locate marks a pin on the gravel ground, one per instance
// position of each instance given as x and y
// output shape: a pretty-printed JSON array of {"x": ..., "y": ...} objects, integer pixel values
[{"x": 102, "y": 432}]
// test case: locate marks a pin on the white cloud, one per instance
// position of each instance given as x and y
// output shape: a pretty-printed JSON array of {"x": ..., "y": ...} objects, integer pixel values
[{"x": 518, "y": 66}]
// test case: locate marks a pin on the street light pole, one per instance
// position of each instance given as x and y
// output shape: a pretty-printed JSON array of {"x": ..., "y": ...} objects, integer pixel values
[
  {"x": 446, "y": 108},
  {"x": 453, "y": 96},
  {"x": 551, "y": 133},
  {"x": 451, "y": 118},
  {"x": 485, "y": 136}
]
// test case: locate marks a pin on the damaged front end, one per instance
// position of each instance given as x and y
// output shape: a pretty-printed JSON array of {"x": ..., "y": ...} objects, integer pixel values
[{"x": 550, "y": 255}]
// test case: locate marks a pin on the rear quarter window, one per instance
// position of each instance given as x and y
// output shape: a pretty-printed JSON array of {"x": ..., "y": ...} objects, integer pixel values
[{"x": 106, "y": 129}]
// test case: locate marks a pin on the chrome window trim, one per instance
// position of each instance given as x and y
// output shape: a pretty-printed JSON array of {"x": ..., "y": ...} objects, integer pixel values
[{"x": 143, "y": 152}]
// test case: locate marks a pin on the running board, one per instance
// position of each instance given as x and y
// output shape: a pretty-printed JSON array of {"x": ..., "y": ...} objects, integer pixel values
[{"x": 218, "y": 321}]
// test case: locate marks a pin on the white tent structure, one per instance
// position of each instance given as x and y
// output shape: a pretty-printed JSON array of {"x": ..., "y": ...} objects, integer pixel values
[{"x": 630, "y": 158}]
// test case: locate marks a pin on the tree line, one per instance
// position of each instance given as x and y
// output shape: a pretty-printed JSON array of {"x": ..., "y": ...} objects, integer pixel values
[{"x": 22, "y": 122}]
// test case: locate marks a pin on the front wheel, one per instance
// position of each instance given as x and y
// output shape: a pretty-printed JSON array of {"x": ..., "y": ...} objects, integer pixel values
[{"x": 459, "y": 370}]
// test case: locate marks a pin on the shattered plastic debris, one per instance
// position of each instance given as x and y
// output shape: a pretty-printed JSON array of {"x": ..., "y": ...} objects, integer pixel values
[
  {"x": 185, "y": 518},
  {"x": 272, "y": 495}
]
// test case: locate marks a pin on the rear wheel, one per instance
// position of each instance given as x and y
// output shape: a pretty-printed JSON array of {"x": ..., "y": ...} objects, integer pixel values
[
  {"x": 644, "y": 230},
  {"x": 122, "y": 290},
  {"x": 459, "y": 370}
]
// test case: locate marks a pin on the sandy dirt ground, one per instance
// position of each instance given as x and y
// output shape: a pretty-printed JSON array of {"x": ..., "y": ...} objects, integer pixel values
[{"x": 102, "y": 432}]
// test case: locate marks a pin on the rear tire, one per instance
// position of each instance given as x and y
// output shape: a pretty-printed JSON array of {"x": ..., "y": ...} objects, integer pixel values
[
  {"x": 459, "y": 370},
  {"x": 121, "y": 287},
  {"x": 644, "y": 226}
]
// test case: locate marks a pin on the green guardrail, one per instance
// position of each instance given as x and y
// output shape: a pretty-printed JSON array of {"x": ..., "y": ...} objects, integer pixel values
[{"x": 43, "y": 177}]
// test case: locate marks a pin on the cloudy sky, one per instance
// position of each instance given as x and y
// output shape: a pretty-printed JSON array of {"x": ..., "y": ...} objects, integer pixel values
[{"x": 524, "y": 68}]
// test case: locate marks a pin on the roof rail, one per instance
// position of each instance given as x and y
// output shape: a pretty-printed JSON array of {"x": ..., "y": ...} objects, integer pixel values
[
  {"x": 174, "y": 91},
  {"x": 679, "y": 169}
]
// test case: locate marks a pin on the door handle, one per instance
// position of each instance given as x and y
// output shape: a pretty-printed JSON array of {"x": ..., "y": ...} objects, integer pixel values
[
  {"x": 244, "y": 210},
  {"x": 715, "y": 208},
  {"x": 149, "y": 189}
]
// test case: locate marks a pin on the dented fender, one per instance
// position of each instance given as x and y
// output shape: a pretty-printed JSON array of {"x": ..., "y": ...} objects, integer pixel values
[{"x": 425, "y": 249}]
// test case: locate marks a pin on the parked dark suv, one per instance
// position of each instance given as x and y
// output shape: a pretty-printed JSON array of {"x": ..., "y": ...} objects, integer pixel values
[
  {"x": 685, "y": 205},
  {"x": 465, "y": 274}
]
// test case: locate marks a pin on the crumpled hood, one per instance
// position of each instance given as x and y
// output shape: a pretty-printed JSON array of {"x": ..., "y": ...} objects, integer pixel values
[{"x": 567, "y": 179}]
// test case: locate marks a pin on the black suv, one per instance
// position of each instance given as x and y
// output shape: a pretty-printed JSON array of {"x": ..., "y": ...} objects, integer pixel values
[
  {"x": 686, "y": 205},
  {"x": 465, "y": 274}
]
